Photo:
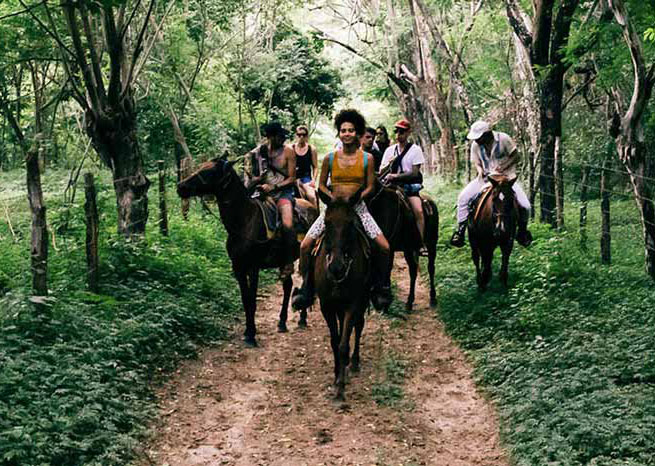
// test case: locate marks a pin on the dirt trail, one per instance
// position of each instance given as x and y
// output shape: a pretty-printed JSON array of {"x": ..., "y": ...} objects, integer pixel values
[{"x": 274, "y": 405}]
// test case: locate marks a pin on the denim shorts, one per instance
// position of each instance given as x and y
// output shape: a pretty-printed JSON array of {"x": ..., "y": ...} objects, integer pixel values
[{"x": 412, "y": 189}]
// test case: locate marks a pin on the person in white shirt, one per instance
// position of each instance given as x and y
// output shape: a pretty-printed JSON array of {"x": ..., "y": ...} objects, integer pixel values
[
  {"x": 492, "y": 152},
  {"x": 405, "y": 160}
]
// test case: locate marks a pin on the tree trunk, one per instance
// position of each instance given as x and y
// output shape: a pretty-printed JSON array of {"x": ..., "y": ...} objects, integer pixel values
[
  {"x": 115, "y": 141},
  {"x": 605, "y": 237},
  {"x": 92, "y": 227},
  {"x": 39, "y": 243},
  {"x": 583, "y": 208},
  {"x": 550, "y": 99},
  {"x": 559, "y": 183}
]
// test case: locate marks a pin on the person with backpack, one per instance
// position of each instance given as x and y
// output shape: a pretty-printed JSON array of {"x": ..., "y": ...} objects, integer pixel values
[{"x": 401, "y": 165}]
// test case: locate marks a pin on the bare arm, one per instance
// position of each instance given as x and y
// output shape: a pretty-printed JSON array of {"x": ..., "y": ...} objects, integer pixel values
[
  {"x": 249, "y": 180},
  {"x": 314, "y": 165},
  {"x": 322, "y": 186},
  {"x": 370, "y": 178}
]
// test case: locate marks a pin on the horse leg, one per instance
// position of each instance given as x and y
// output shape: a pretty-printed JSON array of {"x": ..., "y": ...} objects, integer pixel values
[
  {"x": 359, "y": 327},
  {"x": 475, "y": 254},
  {"x": 331, "y": 321},
  {"x": 302, "y": 322},
  {"x": 432, "y": 255},
  {"x": 412, "y": 263},
  {"x": 287, "y": 284},
  {"x": 504, "y": 268},
  {"x": 344, "y": 353},
  {"x": 487, "y": 257},
  {"x": 246, "y": 300}
]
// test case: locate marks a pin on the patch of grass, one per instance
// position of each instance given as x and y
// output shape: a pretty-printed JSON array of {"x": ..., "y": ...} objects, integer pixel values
[
  {"x": 388, "y": 391},
  {"x": 568, "y": 351},
  {"x": 75, "y": 380}
]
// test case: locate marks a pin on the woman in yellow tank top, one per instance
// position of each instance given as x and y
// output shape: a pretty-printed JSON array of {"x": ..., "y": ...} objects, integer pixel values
[{"x": 349, "y": 170}]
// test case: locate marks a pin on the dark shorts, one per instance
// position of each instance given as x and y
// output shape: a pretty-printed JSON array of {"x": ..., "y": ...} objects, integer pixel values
[
  {"x": 412, "y": 190},
  {"x": 284, "y": 195},
  {"x": 305, "y": 179}
]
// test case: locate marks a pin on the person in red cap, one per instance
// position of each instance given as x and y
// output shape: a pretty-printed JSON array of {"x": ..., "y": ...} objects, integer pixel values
[{"x": 405, "y": 160}]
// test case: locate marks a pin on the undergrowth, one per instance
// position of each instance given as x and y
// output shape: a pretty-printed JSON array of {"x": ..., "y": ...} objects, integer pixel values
[
  {"x": 568, "y": 351},
  {"x": 76, "y": 378}
]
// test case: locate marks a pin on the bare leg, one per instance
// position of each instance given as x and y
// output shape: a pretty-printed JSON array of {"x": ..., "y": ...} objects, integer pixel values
[{"x": 417, "y": 208}]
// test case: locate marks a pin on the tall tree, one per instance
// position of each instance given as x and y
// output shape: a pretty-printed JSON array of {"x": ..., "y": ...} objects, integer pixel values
[
  {"x": 544, "y": 37},
  {"x": 628, "y": 129}
]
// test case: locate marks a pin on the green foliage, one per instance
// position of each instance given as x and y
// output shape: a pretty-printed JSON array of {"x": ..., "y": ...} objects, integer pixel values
[
  {"x": 76, "y": 381},
  {"x": 567, "y": 352},
  {"x": 388, "y": 390}
]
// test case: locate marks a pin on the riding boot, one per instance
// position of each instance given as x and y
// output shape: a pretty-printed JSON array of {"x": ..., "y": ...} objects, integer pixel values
[
  {"x": 523, "y": 235},
  {"x": 458, "y": 237},
  {"x": 381, "y": 291},
  {"x": 303, "y": 297}
]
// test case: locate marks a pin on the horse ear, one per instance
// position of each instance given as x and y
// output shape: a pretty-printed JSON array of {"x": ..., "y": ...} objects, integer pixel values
[
  {"x": 354, "y": 199},
  {"x": 231, "y": 162},
  {"x": 512, "y": 181},
  {"x": 324, "y": 197},
  {"x": 225, "y": 155},
  {"x": 493, "y": 181}
]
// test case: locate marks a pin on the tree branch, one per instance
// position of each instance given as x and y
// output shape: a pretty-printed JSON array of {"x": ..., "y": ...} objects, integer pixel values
[{"x": 515, "y": 17}]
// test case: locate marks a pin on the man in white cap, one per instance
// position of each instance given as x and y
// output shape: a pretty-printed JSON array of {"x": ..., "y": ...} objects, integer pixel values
[
  {"x": 405, "y": 160},
  {"x": 492, "y": 152}
]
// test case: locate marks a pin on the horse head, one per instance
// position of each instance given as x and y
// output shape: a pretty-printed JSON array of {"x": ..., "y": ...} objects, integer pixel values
[
  {"x": 340, "y": 239},
  {"x": 212, "y": 177},
  {"x": 502, "y": 198}
]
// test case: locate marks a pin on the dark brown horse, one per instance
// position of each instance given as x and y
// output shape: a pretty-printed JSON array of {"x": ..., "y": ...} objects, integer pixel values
[
  {"x": 492, "y": 224},
  {"x": 396, "y": 220},
  {"x": 342, "y": 282},
  {"x": 247, "y": 246}
]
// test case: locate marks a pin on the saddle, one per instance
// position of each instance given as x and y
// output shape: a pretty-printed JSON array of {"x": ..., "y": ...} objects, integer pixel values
[
  {"x": 303, "y": 217},
  {"x": 477, "y": 201},
  {"x": 362, "y": 237}
]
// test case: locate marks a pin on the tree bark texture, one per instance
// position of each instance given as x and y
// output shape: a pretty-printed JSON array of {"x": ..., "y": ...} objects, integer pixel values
[
  {"x": 627, "y": 130},
  {"x": 559, "y": 183},
  {"x": 39, "y": 241},
  {"x": 92, "y": 228},
  {"x": 605, "y": 236},
  {"x": 163, "y": 211},
  {"x": 583, "y": 208}
]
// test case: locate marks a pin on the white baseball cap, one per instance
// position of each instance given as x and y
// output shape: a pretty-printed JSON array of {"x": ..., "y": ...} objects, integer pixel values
[{"x": 478, "y": 129}]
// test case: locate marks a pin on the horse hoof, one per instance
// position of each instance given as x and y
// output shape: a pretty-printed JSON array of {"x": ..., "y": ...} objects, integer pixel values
[
  {"x": 302, "y": 323},
  {"x": 282, "y": 328},
  {"x": 251, "y": 342}
]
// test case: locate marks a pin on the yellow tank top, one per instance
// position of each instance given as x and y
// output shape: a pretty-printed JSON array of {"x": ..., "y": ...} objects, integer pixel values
[{"x": 354, "y": 175}]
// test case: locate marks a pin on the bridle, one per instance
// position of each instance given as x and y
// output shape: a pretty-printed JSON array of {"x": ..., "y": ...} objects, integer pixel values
[
  {"x": 506, "y": 212},
  {"x": 328, "y": 261}
]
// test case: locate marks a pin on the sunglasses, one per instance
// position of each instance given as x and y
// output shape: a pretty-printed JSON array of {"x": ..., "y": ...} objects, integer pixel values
[
  {"x": 301, "y": 135},
  {"x": 399, "y": 130}
]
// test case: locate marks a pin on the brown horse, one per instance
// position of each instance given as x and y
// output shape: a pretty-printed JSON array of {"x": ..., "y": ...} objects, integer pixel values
[
  {"x": 492, "y": 224},
  {"x": 396, "y": 220},
  {"x": 342, "y": 281},
  {"x": 247, "y": 246}
]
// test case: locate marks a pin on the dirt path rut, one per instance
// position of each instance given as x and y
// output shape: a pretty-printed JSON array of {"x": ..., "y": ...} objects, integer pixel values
[{"x": 414, "y": 402}]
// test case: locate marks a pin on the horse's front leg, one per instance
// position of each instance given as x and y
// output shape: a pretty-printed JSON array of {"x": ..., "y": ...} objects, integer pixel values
[
  {"x": 487, "y": 258},
  {"x": 331, "y": 320},
  {"x": 412, "y": 264},
  {"x": 504, "y": 268},
  {"x": 475, "y": 255},
  {"x": 302, "y": 321},
  {"x": 287, "y": 284},
  {"x": 359, "y": 328},
  {"x": 344, "y": 353},
  {"x": 246, "y": 300},
  {"x": 432, "y": 256}
]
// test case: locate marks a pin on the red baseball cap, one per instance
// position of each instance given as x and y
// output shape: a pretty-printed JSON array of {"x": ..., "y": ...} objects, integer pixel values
[{"x": 404, "y": 124}]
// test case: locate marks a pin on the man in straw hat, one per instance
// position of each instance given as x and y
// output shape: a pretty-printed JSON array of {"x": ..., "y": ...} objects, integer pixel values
[{"x": 492, "y": 153}]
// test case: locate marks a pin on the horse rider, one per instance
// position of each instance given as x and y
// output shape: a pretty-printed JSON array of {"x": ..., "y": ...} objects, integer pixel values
[
  {"x": 404, "y": 160},
  {"x": 368, "y": 145},
  {"x": 351, "y": 171},
  {"x": 382, "y": 138},
  {"x": 306, "y": 164},
  {"x": 271, "y": 168},
  {"x": 492, "y": 152}
]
